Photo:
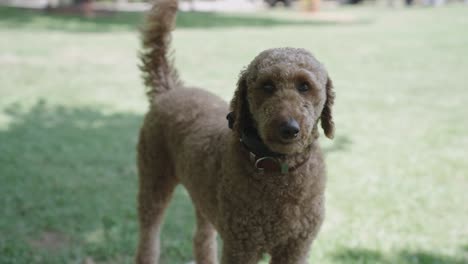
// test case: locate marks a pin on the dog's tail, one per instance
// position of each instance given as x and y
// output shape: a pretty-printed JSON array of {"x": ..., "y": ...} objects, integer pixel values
[{"x": 157, "y": 67}]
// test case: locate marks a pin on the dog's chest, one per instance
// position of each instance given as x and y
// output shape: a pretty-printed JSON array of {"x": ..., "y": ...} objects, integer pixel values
[
  {"x": 286, "y": 221},
  {"x": 275, "y": 213}
]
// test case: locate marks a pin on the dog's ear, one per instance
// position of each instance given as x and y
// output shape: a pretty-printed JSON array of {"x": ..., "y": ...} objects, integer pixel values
[
  {"x": 239, "y": 106},
  {"x": 326, "y": 119}
]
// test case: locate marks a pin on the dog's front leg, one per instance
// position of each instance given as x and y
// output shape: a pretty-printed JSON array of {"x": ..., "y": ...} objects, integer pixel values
[
  {"x": 293, "y": 252},
  {"x": 233, "y": 253}
]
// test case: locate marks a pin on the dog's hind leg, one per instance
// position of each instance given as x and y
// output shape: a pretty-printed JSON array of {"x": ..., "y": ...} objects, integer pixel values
[
  {"x": 204, "y": 241},
  {"x": 156, "y": 185}
]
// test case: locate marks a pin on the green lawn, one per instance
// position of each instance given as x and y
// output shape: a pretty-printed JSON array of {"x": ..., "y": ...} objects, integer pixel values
[{"x": 71, "y": 103}]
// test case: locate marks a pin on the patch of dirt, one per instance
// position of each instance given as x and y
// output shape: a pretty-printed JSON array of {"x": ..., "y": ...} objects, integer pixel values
[
  {"x": 50, "y": 241},
  {"x": 119, "y": 259},
  {"x": 88, "y": 260}
]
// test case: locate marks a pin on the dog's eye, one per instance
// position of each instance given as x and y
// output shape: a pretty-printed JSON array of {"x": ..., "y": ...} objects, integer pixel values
[
  {"x": 268, "y": 87},
  {"x": 303, "y": 87}
]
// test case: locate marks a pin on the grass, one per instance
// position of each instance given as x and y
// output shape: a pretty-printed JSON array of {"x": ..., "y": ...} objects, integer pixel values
[
  {"x": 71, "y": 102},
  {"x": 130, "y": 21}
]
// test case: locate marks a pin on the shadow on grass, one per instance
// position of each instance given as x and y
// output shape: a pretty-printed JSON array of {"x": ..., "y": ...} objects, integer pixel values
[
  {"x": 130, "y": 21},
  {"x": 367, "y": 256},
  {"x": 465, "y": 248},
  {"x": 70, "y": 173}
]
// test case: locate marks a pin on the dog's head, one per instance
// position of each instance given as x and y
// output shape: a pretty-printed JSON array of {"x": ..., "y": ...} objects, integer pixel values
[{"x": 283, "y": 94}]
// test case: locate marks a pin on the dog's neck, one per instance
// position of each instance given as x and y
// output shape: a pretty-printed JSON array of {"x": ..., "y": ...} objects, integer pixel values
[{"x": 266, "y": 160}]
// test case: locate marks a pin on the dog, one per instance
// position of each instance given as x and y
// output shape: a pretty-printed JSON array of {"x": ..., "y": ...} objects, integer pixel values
[{"x": 257, "y": 179}]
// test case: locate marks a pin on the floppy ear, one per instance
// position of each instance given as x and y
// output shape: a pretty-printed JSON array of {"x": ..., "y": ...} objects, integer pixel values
[
  {"x": 326, "y": 119},
  {"x": 240, "y": 114}
]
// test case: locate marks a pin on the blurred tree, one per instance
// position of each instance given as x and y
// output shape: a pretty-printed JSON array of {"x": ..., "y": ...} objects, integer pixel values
[
  {"x": 273, "y": 3},
  {"x": 311, "y": 5},
  {"x": 84, "y": 7}
]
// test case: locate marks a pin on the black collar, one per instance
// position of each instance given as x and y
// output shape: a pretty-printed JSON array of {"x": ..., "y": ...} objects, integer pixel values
[{"x": 252, "y": 142}]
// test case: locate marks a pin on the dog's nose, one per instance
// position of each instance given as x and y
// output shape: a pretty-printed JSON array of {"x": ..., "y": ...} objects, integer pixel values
[{"x": 289, "y": 129}]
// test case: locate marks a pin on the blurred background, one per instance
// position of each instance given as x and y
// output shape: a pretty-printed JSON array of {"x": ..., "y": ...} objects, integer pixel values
[{"x": 72, "y": 101}]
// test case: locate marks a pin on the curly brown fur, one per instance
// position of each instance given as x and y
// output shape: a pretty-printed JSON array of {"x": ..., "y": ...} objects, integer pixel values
[
  {"x": 158, "y": 72},
  {"x": 185, "y": 139}
]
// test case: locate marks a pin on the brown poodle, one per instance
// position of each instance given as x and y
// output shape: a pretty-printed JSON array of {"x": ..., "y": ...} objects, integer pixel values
[{"x": 260, "y": 184}]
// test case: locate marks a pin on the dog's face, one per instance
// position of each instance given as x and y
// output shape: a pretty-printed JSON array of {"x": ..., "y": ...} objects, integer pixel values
[{"x": 283, "y": 94}]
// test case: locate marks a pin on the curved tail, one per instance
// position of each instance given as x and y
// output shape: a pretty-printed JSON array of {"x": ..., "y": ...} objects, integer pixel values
[{"x": 157, "y": 68}]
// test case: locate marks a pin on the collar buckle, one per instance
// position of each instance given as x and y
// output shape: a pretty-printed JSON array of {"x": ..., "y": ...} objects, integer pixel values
[{"x": 269, "y": 164}]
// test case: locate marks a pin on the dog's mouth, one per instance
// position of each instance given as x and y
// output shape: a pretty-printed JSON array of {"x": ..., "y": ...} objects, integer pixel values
[
  {"x": 284, "y": 146},
  {"x": 286, "y": 142}
]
